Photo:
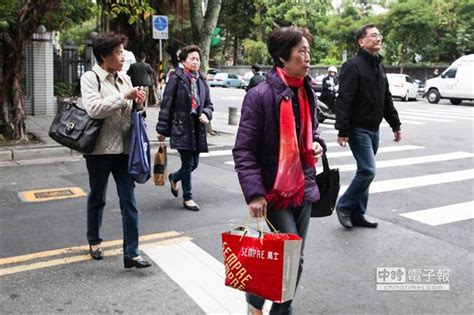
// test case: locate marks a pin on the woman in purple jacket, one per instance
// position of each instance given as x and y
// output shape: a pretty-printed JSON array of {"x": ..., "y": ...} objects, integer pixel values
[{"x": 277, "y": 144}]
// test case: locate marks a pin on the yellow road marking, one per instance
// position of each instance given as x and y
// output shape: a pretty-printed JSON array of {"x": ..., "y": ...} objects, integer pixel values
[
  {"x": 76, "y": 249},
  {"x": 78, "y": 258},
  {"x": 51, "y": 194}
]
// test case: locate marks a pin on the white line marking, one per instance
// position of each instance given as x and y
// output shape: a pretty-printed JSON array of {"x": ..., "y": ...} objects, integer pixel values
[
  {"x": 451, "y": 111},
  {"x": 381, "y": 150},
  {"x": 216, "y": 153},
  {"x": 436, "y": 115},
  {"x": 407, "y": 161},
  {"x": 417, "y": 181},
  {"x": 326, "y": 126},
  {"x": 349, "y": 153},
  {"x": 403, "y": 116},
  {"x": 405, "y": 121},
  {"x": 200, "y": 275},
  {"x": 443, "y": 215}
]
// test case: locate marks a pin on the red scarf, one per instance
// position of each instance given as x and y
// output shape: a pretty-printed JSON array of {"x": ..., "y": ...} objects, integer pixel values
[{"x": 288, "y": 190}]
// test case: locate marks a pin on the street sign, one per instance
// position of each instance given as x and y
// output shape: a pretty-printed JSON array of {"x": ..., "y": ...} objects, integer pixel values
[{"x": 160, "y": 26}]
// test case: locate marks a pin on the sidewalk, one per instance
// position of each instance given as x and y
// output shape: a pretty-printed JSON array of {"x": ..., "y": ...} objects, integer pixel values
[{"x": 48, "y": 148}]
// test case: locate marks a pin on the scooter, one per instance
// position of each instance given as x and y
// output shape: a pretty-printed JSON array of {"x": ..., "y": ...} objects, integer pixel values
[{"x": 324, "y": 112}]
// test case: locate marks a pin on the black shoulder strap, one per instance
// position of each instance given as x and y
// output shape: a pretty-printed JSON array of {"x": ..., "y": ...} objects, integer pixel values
[{"x": 98, "y": 79}]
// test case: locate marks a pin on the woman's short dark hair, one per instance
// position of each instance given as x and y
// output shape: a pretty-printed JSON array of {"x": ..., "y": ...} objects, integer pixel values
[
  {"x": 104, "y": 44},
  {"x": 362, "y": 32},
  {"x": 183, "y": 55},
  {"x": 283, "y": 39}
]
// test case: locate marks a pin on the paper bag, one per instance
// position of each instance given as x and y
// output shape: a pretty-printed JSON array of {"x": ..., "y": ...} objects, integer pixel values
[
  {"x": 159, "y": 168},
  {"x": 265, "y": 265}
]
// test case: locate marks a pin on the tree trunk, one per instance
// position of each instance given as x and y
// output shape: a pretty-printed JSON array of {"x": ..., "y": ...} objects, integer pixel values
[
  {"x": 203, "y": 25},
  {"x": 14, "y": 41}
]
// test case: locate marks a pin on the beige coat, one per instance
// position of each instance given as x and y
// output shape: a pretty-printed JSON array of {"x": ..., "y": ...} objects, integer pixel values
[{"x": 109, "y": 105}]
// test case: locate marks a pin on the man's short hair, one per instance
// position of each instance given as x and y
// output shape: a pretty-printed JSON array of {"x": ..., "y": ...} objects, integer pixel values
[
  {"x": 104, "y": 44},
  {"x": 141, "y": 55},
  {"x": 256, "y": 67},
  {"x": 362, "y": 32},
  {"x": 183, "y": 55},
  {"x": 282, "y": 40}
]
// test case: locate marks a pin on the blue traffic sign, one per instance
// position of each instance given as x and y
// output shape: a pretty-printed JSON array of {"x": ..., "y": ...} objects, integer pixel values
[{"x": 160, "y": 23}]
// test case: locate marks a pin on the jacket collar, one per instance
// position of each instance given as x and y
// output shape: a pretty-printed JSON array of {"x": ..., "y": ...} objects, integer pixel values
[
  {"x": 182, "y": 74},
  {"x": 280, "y": 87},
  {"x": 104, "y": 74},
  {"x": 369, "y": 57}
]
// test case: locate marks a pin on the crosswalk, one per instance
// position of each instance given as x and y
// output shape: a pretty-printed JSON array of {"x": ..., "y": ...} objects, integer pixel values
[
  {"x": 403, "y": 158},
  {"x": 411, "y": 167}
]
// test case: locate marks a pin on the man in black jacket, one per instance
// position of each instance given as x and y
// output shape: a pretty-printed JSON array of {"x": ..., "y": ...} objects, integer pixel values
[
  {"x": 142, "y": 74},
  {"x": 364, "y": 100},
  {"x": 257, "y": 77}
]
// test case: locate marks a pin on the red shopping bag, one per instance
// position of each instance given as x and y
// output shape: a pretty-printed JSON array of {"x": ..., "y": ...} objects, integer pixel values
[{"x": 265, "y": 265}]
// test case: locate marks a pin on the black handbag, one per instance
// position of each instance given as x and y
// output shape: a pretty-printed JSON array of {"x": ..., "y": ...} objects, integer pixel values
[
  {"x": 329, "y": 185},
  {"x": 72, "y": 127}
]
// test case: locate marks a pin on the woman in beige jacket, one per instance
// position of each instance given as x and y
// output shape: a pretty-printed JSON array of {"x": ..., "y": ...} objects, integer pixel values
[{"x": 108, "y": 94}]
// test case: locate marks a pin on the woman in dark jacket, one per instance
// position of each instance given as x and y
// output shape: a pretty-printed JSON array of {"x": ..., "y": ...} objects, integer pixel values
[
  {"x": 185, "y": 110},
  {"x": 277, "y": 145}
]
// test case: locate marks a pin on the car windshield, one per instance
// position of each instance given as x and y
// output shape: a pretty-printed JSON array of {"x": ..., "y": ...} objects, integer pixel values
[
  {"x": 212, "y": 71},
  {"x": 395, "y": 78}
]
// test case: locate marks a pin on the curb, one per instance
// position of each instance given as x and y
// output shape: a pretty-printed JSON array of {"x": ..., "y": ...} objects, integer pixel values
[{"x": 48, "y": 151}]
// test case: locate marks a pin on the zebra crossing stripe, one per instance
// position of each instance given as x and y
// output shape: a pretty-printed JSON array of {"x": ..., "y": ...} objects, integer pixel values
[
  {"x": 417, "y": 181},
  {"x": 445, "y": 111},
  {"x": 381, "y": 150},
  {"x": 426, "y": 114},
  {"x": 200, "y": 275},
  {"x": 349, "y": 153},
  {"x": 403, "y": 116},
  {"x": 407, "y": 161},
  {"x": 443, "y": 215}
]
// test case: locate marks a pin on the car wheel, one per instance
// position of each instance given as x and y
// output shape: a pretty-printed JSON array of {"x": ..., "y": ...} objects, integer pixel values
[
  {"x": 227, "y": 85},
  {"x": 405, "y": 99},
  {"x": 433, "y": 96},
  {"x": 455, "y": 101}
]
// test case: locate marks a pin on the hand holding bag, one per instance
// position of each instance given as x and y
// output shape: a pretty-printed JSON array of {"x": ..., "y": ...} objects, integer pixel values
[
  {"x": 261, "y": 263},
  {"x": 159, "y": 168},
  {"x": 139, "y": 151},
  {"x": 329, "y": 185}
]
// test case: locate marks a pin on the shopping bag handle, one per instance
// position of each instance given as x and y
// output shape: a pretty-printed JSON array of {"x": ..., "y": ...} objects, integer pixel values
[{"x": 260, "y": 227}]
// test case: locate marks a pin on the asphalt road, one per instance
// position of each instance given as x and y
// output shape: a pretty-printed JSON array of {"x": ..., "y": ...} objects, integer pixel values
[{"x": 431, "y": 170}]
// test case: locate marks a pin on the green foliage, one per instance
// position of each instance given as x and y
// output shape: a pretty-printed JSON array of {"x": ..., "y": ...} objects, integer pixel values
[
  {"x": 255, "y": 52},
  {"x": 63, "y": 89}
]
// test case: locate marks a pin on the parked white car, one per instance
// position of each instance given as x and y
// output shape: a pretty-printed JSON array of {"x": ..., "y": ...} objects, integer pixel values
[
  {"x": 402, "y": 86},
  {"x": 455, "y": 83}
]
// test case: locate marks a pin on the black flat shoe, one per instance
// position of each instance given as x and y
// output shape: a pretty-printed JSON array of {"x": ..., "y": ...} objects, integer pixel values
[
  {"x": 192, "y": 208},
  {"x": 344, "y": 218},
  {"x": 137, "y": 262},
  {"x": 96, "y": 254},
  {"x": 172, "y": 183},
  {"x": 362, "y": 222}
]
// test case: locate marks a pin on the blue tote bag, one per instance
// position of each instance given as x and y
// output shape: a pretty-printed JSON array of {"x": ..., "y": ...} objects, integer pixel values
[{"x": 139, "y": 151}]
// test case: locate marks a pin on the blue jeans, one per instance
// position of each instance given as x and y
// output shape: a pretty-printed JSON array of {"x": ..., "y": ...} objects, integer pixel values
[
  {"x": 99, "y": 168},
  {"x": 296, "y": 221},
  {"x": 189, "y": 162},
  {"x": 364, "y": 145}
]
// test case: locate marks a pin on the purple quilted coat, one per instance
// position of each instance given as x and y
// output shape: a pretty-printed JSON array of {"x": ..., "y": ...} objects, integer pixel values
[{"x": 257, "y": 143}]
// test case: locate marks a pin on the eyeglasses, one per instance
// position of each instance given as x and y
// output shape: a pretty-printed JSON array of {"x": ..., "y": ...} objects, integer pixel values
[{"x": 375, "y": 35}]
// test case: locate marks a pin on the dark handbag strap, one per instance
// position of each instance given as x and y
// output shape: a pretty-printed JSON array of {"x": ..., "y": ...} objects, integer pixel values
[
  {"x": 325, "y": 163},
  {"x": 98, "y": 79}
]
